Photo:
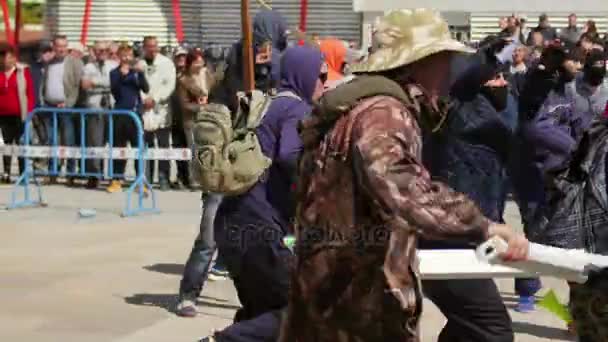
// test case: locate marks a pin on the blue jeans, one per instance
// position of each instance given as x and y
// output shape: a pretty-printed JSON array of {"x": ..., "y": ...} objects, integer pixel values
[
  {"x": 197, "y": 266},
  {"x": 66, "y": 136},
  {"x": 527, "y": 287}
]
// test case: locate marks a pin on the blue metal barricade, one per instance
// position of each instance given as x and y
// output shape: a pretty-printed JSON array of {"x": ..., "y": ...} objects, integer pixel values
[{"x": 140, "y": 184}]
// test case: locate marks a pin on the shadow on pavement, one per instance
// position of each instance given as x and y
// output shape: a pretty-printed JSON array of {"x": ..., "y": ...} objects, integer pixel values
[
  {"x": 217, "y": 305},
  {"x": 172, "y": 269},
  {"x": 169, "y": 301},
  {"x": 553, "y": 334},
  {"x": 163, "y": 301}
]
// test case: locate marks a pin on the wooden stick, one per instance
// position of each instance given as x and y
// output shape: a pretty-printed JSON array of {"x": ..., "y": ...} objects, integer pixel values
[{"x": 248, "y": 76}]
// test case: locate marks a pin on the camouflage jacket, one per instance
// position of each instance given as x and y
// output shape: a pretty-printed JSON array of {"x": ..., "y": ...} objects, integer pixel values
[{"x": 364, "y": 200}]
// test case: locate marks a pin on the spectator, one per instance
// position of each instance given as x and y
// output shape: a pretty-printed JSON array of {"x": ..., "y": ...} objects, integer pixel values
[
  {"x": 591, "y": 28},
  {"x": 316, "y": 38},
  {"x": 192, "y": 91},
  {"x": 126, "y": 82},
  {"x": 587, "y": 41},
  {"x": 517, "y": 70},
  {"x": 544, "y": 27},
  {"x": 177, "y": 127},
  {"x": 161, "y": 76},
  {"x": 179, "y": 58},
  {"x": 96, "y": 85},
  {"x": 114, "y": 56},
  {"x": 524, "y": 30},
  {"x": 17, "y": 99},
  {"x": 503, "y": 24},
  {"x": 571, "y": 34},
  {"x": 537, "y": 40},
  {"x": 54, "y": 95},
  {"x": 74, "y": 96},
  {"x": 37, "y": 70}
]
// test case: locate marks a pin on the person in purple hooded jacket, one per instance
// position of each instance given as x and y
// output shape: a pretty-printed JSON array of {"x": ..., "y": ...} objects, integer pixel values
[
  {"x": 249, "y": 228},
  {"x": 549, "y": 131}
]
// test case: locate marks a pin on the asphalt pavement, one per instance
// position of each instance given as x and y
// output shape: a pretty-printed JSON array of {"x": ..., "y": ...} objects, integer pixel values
[{"x": 106, "y": 278}]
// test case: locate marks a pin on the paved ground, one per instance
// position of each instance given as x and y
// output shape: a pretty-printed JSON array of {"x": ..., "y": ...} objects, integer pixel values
[{"x": 114, "y": 279}]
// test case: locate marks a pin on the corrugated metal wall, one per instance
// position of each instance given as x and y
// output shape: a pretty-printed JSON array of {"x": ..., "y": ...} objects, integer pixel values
[
  {"x": 203, "y": 20},
  {"x": 221, "y": 18},
  {"x": 484, "y": 24},
  {"x": 125, "y": 19}
]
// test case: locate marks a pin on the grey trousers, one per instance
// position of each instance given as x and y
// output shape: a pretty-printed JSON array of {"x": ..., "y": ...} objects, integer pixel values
[{"x": 95, "y": 138}]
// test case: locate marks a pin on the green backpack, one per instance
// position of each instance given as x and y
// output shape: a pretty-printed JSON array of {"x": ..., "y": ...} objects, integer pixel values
[{"x": 227, "y": 156}]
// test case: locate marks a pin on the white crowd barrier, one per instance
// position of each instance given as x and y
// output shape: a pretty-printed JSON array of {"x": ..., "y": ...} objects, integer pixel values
[{"x": 66, "y": 152}]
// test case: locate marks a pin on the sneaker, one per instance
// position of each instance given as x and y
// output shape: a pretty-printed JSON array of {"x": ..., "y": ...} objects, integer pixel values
[
  {"x": 526, "y": 304},
  {"x": 177, "y": 186},
  {"x": 164, "y": 185},
  {"x": 71, "y": 182},
  {"x": 115, "y": 186},
  {"x": 186, "y": 308},
  {"x": 208, "y": 339},
  {"x": 218, "y": 272},
  {"x": 5, "y": 179},
  {"x": 92, "y": 183}
]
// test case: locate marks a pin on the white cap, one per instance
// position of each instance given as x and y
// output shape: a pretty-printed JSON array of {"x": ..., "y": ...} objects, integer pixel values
[{"x": 77, "y": 46}]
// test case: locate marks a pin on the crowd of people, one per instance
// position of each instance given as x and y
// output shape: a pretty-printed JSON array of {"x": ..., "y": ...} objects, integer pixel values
[{"x": 416, "y": 145}]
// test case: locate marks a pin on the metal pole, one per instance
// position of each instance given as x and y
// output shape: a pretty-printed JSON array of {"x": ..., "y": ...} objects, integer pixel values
[
  {"x": 86, "y": 20},
  {"x": 17, "y": 26},
  {"x": 248, "y": 76}
]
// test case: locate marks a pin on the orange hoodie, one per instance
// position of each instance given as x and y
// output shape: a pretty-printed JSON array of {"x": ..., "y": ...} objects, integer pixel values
[{"x": 335, "y": 54}]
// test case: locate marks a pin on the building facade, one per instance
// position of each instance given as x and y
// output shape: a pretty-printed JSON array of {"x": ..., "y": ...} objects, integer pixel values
[
  {"x": 218, "y": 21},
  {"x": 204, "y": 21}
]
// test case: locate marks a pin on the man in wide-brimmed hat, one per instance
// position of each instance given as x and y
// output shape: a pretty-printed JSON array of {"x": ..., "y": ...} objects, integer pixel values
[{"x": 365, "y": 197}]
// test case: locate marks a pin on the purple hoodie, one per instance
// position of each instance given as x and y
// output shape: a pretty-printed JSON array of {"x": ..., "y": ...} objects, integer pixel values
[{"x": 271, "y": 201}]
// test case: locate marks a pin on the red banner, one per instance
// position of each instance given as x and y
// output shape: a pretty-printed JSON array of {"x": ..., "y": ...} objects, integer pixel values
[
  {"x": 86, "y": 20},
  {"x": 177, "y": 18}
]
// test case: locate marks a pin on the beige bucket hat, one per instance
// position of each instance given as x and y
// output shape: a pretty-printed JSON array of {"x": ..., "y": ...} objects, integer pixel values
[{"x": 406, "y": 36}]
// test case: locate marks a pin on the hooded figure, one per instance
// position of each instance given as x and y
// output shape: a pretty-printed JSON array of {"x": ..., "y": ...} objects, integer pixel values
[
  {"x": 334, "y": 52},
  {"x": 471, "y": 151},
  {"x": 269, "y": 28},
  {"x": 249, "y": 228}
]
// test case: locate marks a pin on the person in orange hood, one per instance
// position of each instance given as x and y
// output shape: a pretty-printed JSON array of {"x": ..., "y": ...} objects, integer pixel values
[{"x": 334, "y": 51}]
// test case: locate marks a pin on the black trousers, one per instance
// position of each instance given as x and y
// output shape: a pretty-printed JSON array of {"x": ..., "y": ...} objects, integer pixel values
[
  {"x": 257, "y": 260},
  {"x": 12, "y": 130},
  {"x": 179, "y": 141},
  {"x": 164, "y": 167},
  {"x": 124, "y": 131},
  {"x": 474, "y": 309}
]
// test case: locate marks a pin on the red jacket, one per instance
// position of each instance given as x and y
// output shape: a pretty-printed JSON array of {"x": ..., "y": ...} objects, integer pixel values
[
  {"x": 606, "y": 111},
  {"x": 9, "y": 93}
]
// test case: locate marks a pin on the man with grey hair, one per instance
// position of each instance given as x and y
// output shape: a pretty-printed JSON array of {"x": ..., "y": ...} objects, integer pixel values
[
  {"x": 96, "y": 85},
  {"x": 55, "y": 95}
]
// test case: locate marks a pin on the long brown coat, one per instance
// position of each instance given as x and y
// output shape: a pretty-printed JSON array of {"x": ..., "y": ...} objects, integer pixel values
[
  {"x": 190, "y": 89},
  {"x": 365, "y": 199}
]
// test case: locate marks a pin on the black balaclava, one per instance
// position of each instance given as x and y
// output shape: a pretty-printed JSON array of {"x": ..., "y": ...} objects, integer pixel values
[
  {"x": 498, "y": 96},
  {"x": 594, "y": 71}
]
